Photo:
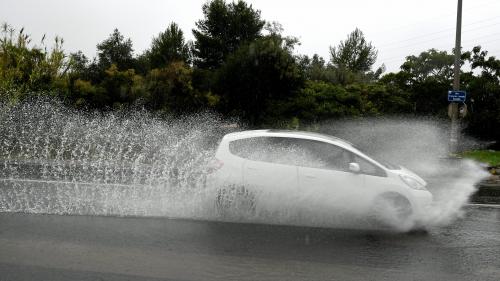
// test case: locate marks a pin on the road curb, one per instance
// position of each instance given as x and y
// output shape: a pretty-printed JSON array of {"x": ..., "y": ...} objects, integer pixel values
[{"x": 479, "y": 205}]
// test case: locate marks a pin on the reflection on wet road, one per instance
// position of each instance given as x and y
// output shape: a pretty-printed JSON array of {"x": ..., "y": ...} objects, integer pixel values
[{"x": 53, "y": 247}]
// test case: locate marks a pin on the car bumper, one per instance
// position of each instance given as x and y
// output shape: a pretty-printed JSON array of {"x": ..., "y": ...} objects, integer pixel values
[{"x": 422, "y": 202}]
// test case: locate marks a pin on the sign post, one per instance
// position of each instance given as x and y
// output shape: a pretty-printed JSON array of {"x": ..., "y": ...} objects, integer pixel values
[
  {"x": 457, "y": 96},
  {"x": 456, "y": 85}
]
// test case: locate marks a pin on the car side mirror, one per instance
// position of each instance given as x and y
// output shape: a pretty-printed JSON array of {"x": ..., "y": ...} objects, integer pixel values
[{"x": 354, "y": 167}]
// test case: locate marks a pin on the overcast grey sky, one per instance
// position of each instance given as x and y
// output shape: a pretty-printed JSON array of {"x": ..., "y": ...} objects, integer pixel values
[{"x": 396, "y": 27}]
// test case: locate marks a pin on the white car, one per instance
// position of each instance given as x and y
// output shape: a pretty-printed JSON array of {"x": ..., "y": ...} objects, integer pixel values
[{"x": 272, "y": 169}]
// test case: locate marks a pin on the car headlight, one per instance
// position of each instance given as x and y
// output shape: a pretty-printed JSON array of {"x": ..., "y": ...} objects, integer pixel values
[{"x": 411, "y": 182}]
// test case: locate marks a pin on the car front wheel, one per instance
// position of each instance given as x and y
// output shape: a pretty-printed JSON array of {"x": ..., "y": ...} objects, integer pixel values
[{"x": 392, "y": 210}]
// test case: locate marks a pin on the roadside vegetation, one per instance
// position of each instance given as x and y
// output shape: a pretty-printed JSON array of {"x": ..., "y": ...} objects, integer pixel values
[
  {"x": 250, "y": 71},
  {"x": 490, "y": 157}
]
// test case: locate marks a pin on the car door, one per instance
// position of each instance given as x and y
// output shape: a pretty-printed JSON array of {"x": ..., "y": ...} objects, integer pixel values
[
  {"x": 375, "y": 182},
  {"x": 268, "y": 173},
  {"x": 325, "y": 180}
]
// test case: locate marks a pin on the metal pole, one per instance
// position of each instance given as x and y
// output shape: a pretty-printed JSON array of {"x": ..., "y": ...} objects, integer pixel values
[{"x": 456, "y": 82}]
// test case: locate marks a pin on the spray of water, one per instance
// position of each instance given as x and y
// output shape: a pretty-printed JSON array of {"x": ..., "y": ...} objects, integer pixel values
[
  {"x": 422, "y": 146},
  {"x": 56, "y": 160},
  {"x": 60, "y": 161}
]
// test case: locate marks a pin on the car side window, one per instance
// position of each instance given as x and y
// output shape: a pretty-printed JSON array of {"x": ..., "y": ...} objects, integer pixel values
[
  {"x": 281, "y": 150},
  {"x": 249, "y": 148},
  {"x": 368, "y": 168},
  {"x": 323, "y": 155},
  {"x": 266, "y": 149},
  {"x": 301, "y": 152}
]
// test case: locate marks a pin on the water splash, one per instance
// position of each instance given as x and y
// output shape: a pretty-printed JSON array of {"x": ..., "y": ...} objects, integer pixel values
[
  {"x": 422, "y": 146},
  {"x": 57, "y": 160},
  {"x": 60, "y": 161}
]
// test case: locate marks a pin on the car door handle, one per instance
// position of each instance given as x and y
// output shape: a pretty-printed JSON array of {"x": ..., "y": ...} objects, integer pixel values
[
  {"x": 310, "y": 176},
  {"x": 252, "y": 168}
]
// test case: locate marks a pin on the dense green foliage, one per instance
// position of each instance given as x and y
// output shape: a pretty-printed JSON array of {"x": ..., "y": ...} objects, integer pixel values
[
  {"x": 168, "y": 47},
  {"x": 25, "y": 69},
  {"x": 490, "y": 157},
  {"x": 242, "y": 66},
  {"x": 224, "y": 29},
  {"x": 257, "y": 77},
  {"x": 484, "y": 89},
  {"x": 353, "y": 59},
  {"x": 429, "y": 76},
  {"x": 115, "y": 50}
]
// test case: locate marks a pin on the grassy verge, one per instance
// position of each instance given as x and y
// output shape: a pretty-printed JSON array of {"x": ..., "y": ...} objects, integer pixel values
[{"x": 491, "y": 157}]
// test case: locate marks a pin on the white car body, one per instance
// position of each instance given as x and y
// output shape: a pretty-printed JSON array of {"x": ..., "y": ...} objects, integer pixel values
[{"x": 319, "y": 187}]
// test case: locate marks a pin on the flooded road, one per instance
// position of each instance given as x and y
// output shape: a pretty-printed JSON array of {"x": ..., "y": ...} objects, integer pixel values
[{"x": 54, "y": 247}]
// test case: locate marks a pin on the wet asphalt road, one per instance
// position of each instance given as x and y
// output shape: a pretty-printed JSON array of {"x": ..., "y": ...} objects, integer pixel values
[{"x": 53, "y": 247}]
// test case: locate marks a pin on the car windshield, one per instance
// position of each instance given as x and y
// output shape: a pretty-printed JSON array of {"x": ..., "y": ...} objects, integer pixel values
[
  {"x": 388, "y": 164},
  {"x": 381, "y": 161}
]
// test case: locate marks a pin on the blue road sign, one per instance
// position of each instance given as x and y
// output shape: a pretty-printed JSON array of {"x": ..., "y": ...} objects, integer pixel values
[{"x": 457, "y": 96}]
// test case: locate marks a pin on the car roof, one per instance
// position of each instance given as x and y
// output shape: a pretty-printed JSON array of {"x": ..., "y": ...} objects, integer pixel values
[{"x": 287, "y": 133}]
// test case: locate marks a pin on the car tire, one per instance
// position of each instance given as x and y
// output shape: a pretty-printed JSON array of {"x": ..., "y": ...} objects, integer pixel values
[
  {"x": 392, "y": 211},
  {"x": 235, "y": 201}
]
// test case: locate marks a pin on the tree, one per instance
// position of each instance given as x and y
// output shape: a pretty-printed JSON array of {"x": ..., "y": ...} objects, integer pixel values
[
  {"x": 170, "y": 88},
  {"x": 353, "y": 57},
  {"x": 432, "y": 64},
  {"x": 320, "y": 100},
  {"x": 118, "y": 85},
  {"x": 428, "y": 77},
  {"x": 82, "y": 68},
  {"x": 316, "y": 69},
  {"x": 482, "y": 84},
  {"x": 168, "y": 47},
  {"x": 257, "y": 78},
  {"x": 224, "y": 28},
  {"x": 79, "y": 63},
  {"x": 115, "y": 50},
  {"x": 26, "y": 69}
]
